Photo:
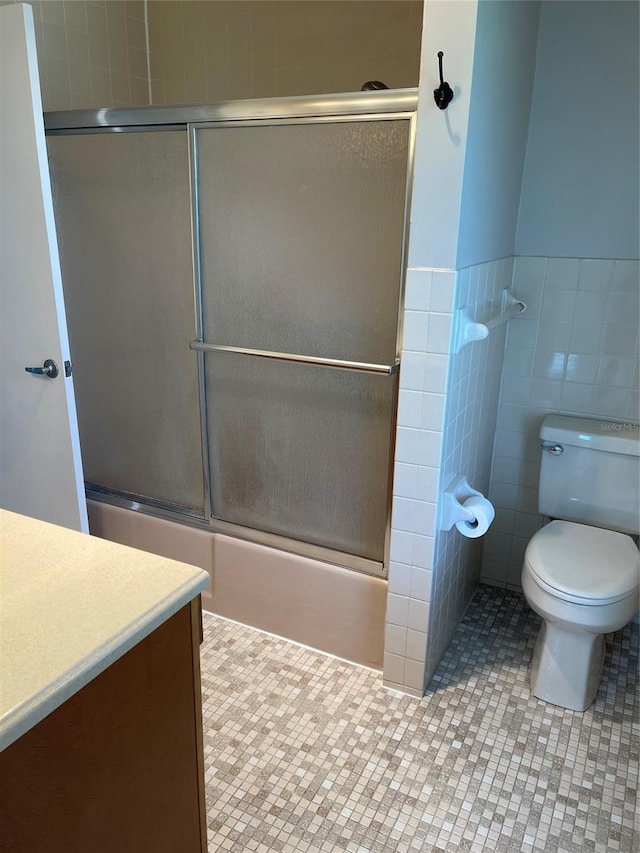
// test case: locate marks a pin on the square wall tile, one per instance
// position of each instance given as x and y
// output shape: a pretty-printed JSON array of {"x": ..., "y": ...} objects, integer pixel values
[
  {"x": 595, "y": 275},
  {"x": 393, "y": 668},
  {"x": 417, "y": 295},
  {"x": 443, "y": 285},
  {"x": 399, "y": 579},
  {"x": 397, "y": 610}
]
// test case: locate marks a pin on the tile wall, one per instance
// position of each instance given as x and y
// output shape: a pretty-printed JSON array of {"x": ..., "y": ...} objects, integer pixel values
[
  {"x": 208, "y": 51},
  {"x": 91, "y": 54},
  {"x": 574, "y": 351},
  {"x": 423, "y": 384},
  {"x": 470, "y": 422},
  {"x": 432, "y": 573}
]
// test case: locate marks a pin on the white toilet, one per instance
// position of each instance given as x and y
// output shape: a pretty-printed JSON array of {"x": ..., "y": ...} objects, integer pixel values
[{"x": 582, "y": 578}]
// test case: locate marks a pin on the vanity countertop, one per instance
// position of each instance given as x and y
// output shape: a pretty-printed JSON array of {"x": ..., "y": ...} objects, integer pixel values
[{"x": 70, "y": 605}]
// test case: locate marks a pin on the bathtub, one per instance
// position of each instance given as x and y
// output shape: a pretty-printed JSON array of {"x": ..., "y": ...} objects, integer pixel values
[{"x": 329, "y": 608}]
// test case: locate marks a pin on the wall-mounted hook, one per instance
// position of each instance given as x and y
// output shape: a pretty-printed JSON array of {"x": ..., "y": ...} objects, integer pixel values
[{"x": 443, "y": 95}]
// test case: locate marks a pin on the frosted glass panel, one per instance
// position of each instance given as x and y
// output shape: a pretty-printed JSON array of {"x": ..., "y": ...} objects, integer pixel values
[
  {"x": 123, "y": 215},
  {"x": 300, "y": 451},
  {"x": 302, "y": 231}
]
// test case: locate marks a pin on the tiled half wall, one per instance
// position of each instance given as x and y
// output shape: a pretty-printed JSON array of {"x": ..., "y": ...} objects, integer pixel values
[
  {"x": 575, "y": 351},
  {"x": 432, "y": 574}
]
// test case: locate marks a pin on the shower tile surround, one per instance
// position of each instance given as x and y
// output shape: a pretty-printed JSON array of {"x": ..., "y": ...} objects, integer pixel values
[
  {"x": 91, "y": 54},
  {"x": 304, "y": 752},
  {"x": 575, "y": 351},
  {"x": 209, "y": 51},
  {"x": 433, "y": 573},
  {"x": 115, "y": 53}
]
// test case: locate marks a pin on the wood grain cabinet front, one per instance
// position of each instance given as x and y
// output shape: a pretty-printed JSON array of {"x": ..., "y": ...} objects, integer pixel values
[{"x": 118, "y": 768}]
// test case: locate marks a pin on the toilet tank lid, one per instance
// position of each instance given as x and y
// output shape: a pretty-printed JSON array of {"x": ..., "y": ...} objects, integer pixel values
[{"x": 599, "y": 434}]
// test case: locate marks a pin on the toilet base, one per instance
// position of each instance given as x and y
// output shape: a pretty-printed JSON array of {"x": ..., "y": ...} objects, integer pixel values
[{"x": 566, "y": 666}]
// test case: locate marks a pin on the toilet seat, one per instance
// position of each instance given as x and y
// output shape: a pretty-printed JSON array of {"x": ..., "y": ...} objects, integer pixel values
[{"x": 583, "y": 564}]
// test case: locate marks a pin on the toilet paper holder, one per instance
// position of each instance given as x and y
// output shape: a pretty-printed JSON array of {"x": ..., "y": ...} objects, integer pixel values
[{"x": 455, "y": 495}]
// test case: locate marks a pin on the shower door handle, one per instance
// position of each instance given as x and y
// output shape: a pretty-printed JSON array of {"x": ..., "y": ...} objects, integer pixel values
[
  {"x": 49, "y": 368},
  {"x": 337, "y": 363}
]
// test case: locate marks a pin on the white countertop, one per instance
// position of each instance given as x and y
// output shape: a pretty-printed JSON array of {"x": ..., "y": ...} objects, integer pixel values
[{"x": 70, "y": 605}]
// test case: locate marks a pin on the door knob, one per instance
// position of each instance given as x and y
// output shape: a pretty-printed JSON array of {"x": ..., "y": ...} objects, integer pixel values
[{"x": 49, "y": 368}]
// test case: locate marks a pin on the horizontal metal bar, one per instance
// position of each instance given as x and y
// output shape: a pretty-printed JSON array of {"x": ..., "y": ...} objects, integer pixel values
[
  {"x": 336, "y": 363},
  {"x": 161, "y": 509},
  {"x": 352, "y": 103},
  {"x": 88, "y": 131}
]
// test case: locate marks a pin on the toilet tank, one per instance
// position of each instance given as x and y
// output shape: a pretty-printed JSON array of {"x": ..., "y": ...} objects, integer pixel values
[{"x": 590, "y": 472}]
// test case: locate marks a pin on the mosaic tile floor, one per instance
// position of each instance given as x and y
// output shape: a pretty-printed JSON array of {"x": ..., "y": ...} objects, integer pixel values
[{"x": 307, "y": 753}]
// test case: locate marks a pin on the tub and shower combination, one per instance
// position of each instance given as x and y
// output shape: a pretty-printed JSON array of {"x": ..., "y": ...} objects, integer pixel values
[{"x": 233, "y": 278}]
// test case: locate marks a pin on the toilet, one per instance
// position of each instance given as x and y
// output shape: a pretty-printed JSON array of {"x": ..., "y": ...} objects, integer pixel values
[{"x": 581, "y": 571}]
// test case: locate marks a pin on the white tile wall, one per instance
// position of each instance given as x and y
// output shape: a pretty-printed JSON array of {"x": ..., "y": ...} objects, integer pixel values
[
  {"x": 574, "y": 351},
  {"x": 423, "y": 376},
  {"x": 469, "y": 429},
  {"x": 432, "y": 574}
]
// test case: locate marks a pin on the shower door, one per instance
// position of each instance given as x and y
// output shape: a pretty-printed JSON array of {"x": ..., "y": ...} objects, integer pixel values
[
  {"x": 301, "y": 227},
  {"x": 122, "y": 203},
  {"x": 233, "y": 278}
]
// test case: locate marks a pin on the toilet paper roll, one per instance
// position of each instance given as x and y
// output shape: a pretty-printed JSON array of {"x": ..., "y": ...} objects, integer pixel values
[{"x": 484, "y": 514}]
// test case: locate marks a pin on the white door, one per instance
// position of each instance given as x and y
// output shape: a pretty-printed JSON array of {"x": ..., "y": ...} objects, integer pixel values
[{"x": 40, "y": 464}]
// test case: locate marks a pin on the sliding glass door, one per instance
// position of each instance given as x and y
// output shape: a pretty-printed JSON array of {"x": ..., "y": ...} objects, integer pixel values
[
  {"x": 233, "y": 290},
  {"x": 122, "y": 204},
  {"x": 301, "y": 233}
]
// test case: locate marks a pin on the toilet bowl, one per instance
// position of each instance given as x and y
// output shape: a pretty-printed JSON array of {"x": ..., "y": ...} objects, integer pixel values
[
  {"x": 580, "y": 571},
  {"x": 583, "y": 582}
]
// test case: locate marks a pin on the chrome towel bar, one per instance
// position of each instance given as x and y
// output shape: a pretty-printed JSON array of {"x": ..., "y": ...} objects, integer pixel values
[{"x": 336, "y": 363}]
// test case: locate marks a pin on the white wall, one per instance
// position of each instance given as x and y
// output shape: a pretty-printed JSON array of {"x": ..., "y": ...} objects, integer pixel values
[
  {"x": 503, "y": 73},
  {"x": 442, "y": 134},
  {"x": 580, "y": 188}
]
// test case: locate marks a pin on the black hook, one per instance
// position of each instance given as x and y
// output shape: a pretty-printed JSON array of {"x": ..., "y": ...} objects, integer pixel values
[{"x": 443, "y": 95}]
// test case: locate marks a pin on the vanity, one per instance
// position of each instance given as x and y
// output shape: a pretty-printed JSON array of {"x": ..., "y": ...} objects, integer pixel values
[{"x": 100, "y": 706}]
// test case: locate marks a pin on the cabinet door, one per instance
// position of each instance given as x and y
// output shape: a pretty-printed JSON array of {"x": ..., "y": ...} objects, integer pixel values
[{"x": 119, "y": 766}]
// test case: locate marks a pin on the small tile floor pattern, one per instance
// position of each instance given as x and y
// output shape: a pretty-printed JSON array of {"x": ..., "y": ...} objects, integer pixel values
[{"x": 307, "y": 753}]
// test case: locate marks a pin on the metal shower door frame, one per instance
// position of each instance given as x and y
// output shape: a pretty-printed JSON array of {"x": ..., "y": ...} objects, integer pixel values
[{"x": 390, "y": 105}]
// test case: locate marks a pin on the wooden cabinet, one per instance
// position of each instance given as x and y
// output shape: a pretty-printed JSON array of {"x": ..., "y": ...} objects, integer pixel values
[{"x": 118, "y": 767}]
